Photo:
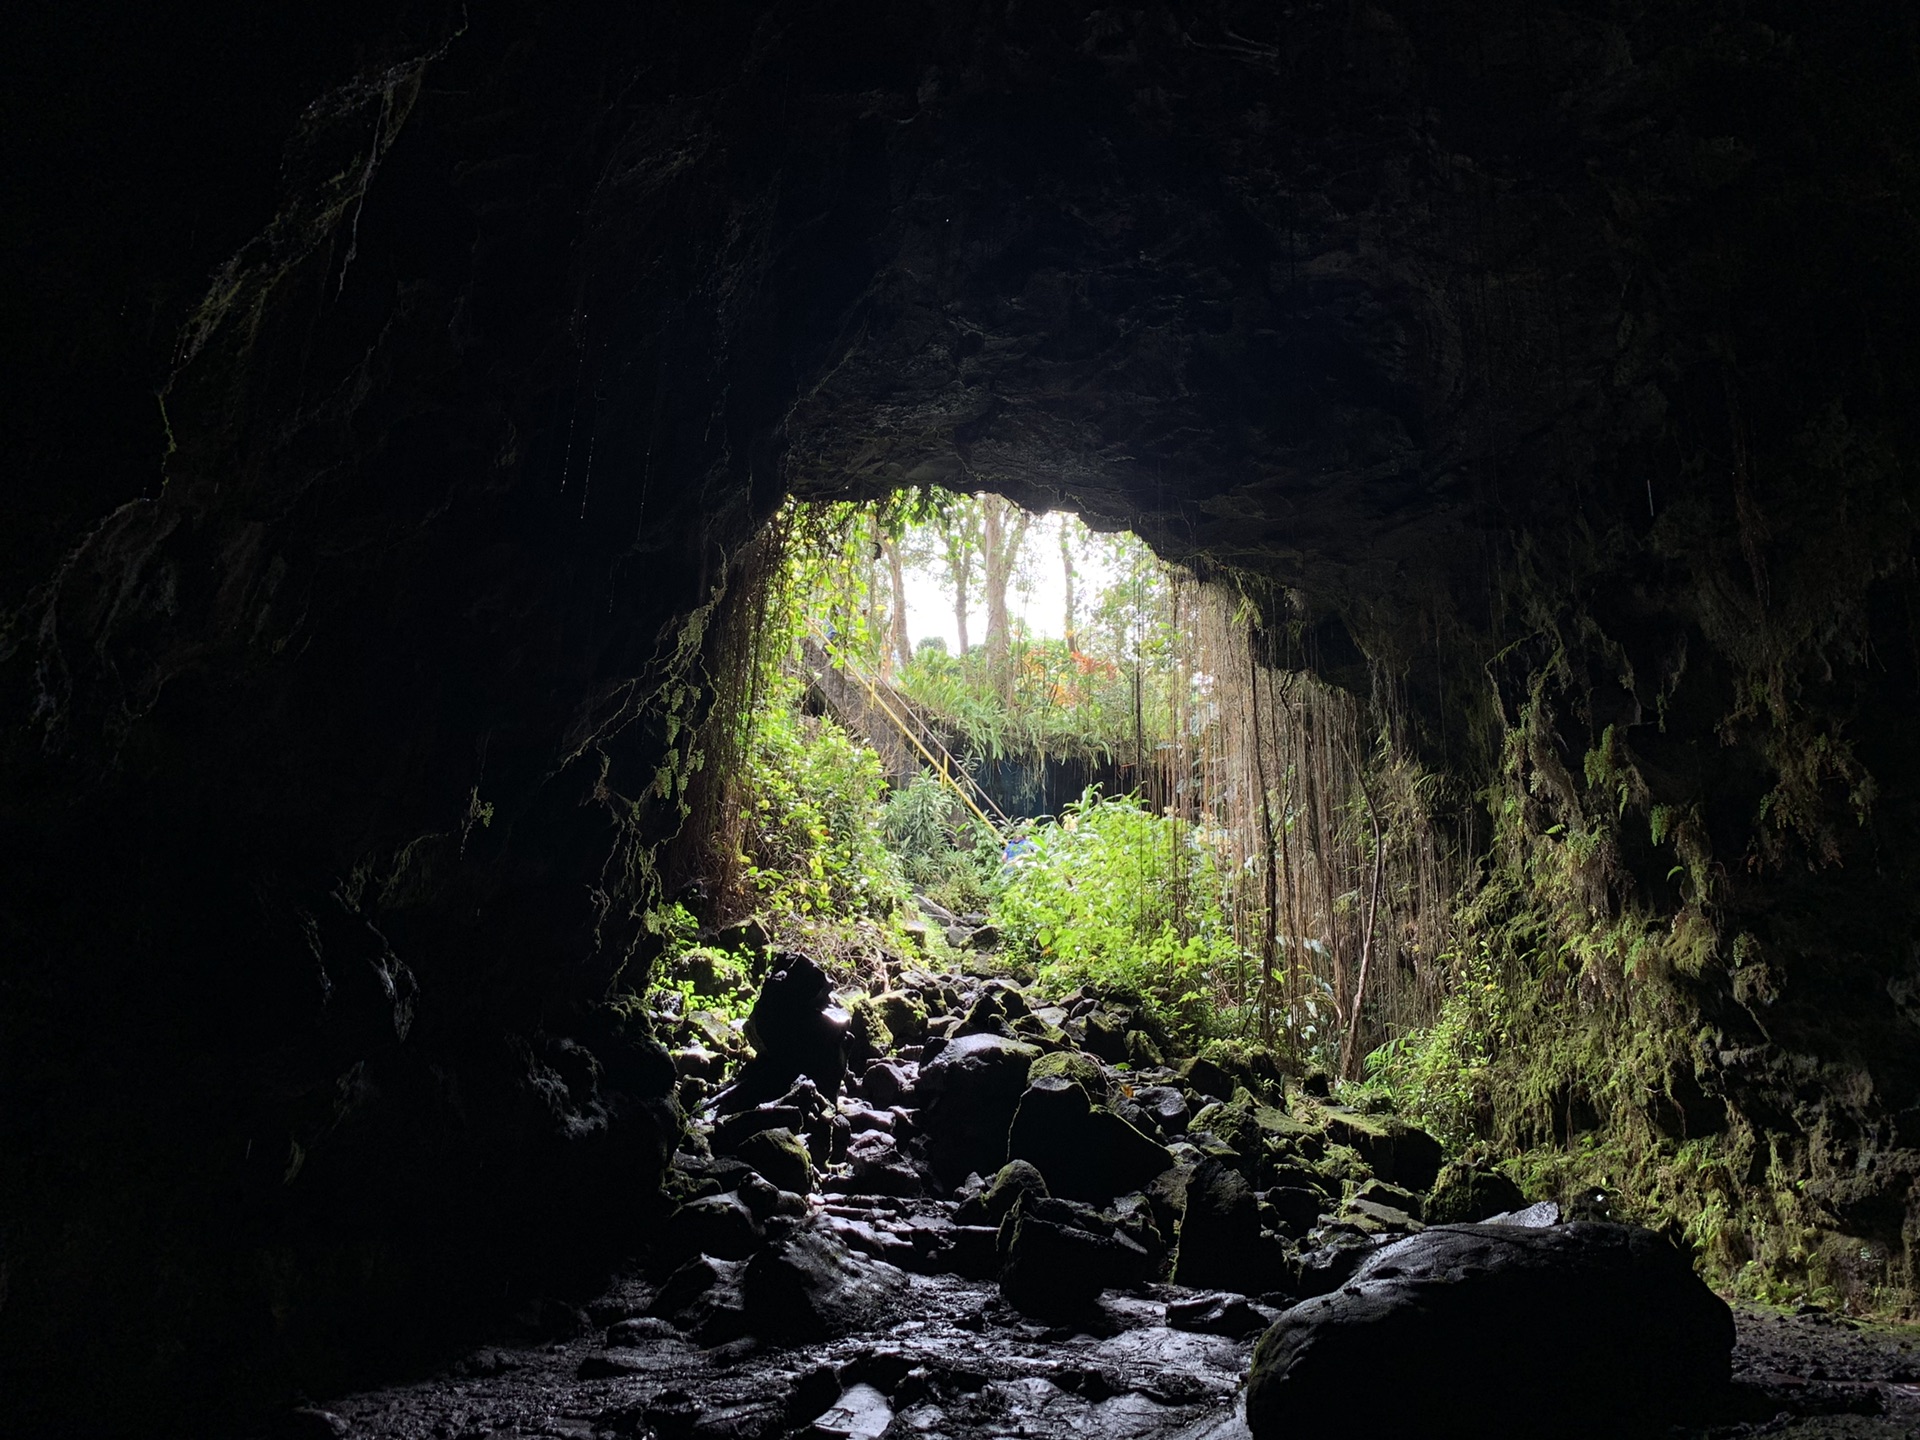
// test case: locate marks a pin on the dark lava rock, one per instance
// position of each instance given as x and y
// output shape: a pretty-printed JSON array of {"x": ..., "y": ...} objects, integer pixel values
[
  {"x": 985, "y": 1017},
  {"x": 1166, "y": 1106},
  {"x": 732, "y": 1130},
  {"x": 1463, "y": 1194},
  {"x": 704, "y": 1299},
  {"x": 970, "y": 1251},
  {"x": 1233, "y": 1316},
  {"x": 793, "y": 1034},
  {"x": 1072, "y": 1065},
  {"x": 780, "y": 1156},
  {"x": 1326, "y": 1268},
  {"x": 1219, "y": 1232},
  {"x": 990, "y": 1205},
  {"x": 1084, "y": 1150},
  {"x": 308, "y": 1422},
  {"x": 1223, "y": 1066},
  {"x": 639, "y": 1330},
  {"x": 813, "y": 1287},
  {"x": 905, "y": 1015},
  {"x": 1295, "y": 1208},
  {"x": 1106, "y": 1034},
  {"x": 1056, "y": 1257},
  {"x": 1380, "y": 1218},
  {"x": 1537, "y": 1216},
  {"x": 1391, "y": 1148},
  {"x": 719, "y": 1225},
  {"x": 1142, "y": 1052},
  {"x": 1379, "y": 1192},
  {"x": 970, "y": 1091},
  {"x": 876, "y": 1167},
  {"x": 888, "y": 1083},
  {"x": 1583, "y": 1329}
]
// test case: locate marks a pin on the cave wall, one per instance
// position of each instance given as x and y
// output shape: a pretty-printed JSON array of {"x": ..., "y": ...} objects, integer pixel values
[{"x": 1556, "y": 362}]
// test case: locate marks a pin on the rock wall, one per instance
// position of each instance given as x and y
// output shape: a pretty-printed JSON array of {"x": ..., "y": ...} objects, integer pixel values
[{"x": 1554, "y": 365}]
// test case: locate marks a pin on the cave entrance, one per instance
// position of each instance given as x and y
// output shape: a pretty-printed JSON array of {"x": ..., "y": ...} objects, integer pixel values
[{"x": 950, "y": 730}]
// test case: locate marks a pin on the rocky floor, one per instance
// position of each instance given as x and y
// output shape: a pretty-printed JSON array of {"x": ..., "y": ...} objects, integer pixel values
[
  {"x": 841, "y": 1266},
  {"x": 960, "y": 1363}
]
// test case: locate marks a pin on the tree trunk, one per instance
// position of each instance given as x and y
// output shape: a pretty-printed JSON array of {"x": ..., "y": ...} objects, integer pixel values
[
  {"x": 1003, "y": 531},
  {"x": 960, "y": 537},
  {"x": 1066, "y": 564},
  {"x": 896, "y": 576}
]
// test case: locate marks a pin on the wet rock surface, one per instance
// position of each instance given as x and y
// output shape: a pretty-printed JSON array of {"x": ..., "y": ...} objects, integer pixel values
[
  {"x": 1637, "y": 1340},
  {"x": 886, "y": 1301},
  {"x": 966, "y": 1365}
]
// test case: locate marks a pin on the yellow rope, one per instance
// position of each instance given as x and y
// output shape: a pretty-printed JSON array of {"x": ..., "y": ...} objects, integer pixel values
[{"x": 939, "y": 766}]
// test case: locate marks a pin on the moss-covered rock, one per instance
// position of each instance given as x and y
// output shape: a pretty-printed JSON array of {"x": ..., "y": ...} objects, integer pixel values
[
  {"x": 1080, "y": 1068},
  {"x": 1010, "y": 1182},
  {"x": 1039, "y": 1031},
  {"x": 1463, "y": 1193},
  {"x": 868, "y": 1035},
  {"x": 1391, "y": 1148},
  {"x": 779, "y": 1155},
  {"x": 904, "y": 1014},
  {"x": 1085, "y": 1151},
  {"x": 1142, "y": 1052}
]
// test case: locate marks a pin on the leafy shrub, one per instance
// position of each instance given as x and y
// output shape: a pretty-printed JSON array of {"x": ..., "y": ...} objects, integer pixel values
[
  {"x": 813, "y": 843},
  {"x": 942, "y": 849},
  {"x": 1118, "y": 896}
]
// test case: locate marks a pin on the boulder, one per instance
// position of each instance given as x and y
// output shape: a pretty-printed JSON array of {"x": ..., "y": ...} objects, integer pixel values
[
  {"x": 732, "y": 1131},
  {"x": 878, "y": 1168},
  {"x": 1232, "y": 1125},
  {"x": 698, "y": 1062},
  {"x": 722, "y": 1226},
  {"x": 1084, "y": 1150},
  {"x": 1142, "y": 1053},
  {"x": 1074, "y": 1065},
  {"x": 1219, "y": 1232},
  {"x": 984, "y": 1017},
  {"x": 1576, "y": 1330},
  {"x": 1379, "y": 1192},
  {"x": 781, "y": 1157},
  {"x": 795, "y": 1031},
  {"x": 888, "y": 1083},
  {"x": 1537, "y": 1216},
  {"x": 1166, "y": 1106},
  {"x": 1056, "y": 1257},
  {"x": 1374, "y": 1218},
  {"x": 703, "y": 1298},
  {"x": 904, "y": 1014},
  {"x": 1296, "y": 1209},
  {"x": 1041, "y": 1032},
  {"x": 638, "y": 1330},
  {"x": 1391, "y": 1148},
  {"x": 989, "y": 1206},
  {"x": 1106, "y": 1034},
  {"x": 1233, "y": 1316},
  {"x": 1223, "y": 1066},
  {"x": 868, "y": 1034},
  {"x": 969, "y": 1092},
  {"x": 1464, "y": 1193},
  {"x": 812, "y": 1287}
]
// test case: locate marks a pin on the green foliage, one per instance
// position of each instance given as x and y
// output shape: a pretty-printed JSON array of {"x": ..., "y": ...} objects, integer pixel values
[
  {"x": 941, "y": 847},
  {"x": 1062, "y": 702},
  {"x": 710, "y": 979},
  {"x": 1115, "y": 895},
  {"x": 813, "y": 842}
]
